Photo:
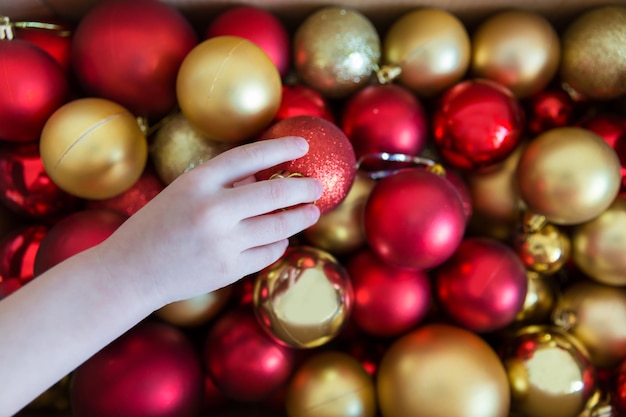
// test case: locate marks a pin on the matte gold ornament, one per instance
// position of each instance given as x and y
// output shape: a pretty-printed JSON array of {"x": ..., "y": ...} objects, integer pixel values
[
  {"x": 599, "y": 246},
  {"x": 336, "y": 51},
  {"x": 331, "y": 384},
  {"x": 596, "y": 315},
  {"x": 593, "y": 62},
  {"x": 93, "y": 148},
  {"x": 228, "y": 88},
  {"x": 541, "y": 297},
  {"x": 545, "y": 250},
  {"x": 518, "y": 49},
  {"x": 569, "y": 175},
  {"x": 441, "y": 371},
  {"x": 178, "y": 147},
  {"x": 430, "y": 47},
  {"x": 340, "y": 231},
  {"x": 197, "y": 310},
  {"x": 549, "y": 372}
]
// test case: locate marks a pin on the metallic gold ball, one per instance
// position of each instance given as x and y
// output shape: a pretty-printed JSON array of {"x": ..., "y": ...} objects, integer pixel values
[
  {"x": 228, "y": 88},
  {"x": 432, "y": 49},
  {"x": 331, "y": 384},
  {"x": 540, "y": 299},
  {"x": 441, "y": 371},
  {"x": 593, "y": 62},
  {"x": 569, "y": 175},
  {"x": 596, "y": 315},
  {"x": 93, "y": 148},
  {"x": 335, "y": 51},
  {"x": 599, "y": 246},
  {"x": 197, "y": 310},
  {"x": 340, "y": 231},
  {"x": 178, "y": 147},
  {"x": 304, "y": 299},
  {"x": 549, "y": 372},
  {"x": 545, "y": 250},
  {"x": 518, "y": 49}
]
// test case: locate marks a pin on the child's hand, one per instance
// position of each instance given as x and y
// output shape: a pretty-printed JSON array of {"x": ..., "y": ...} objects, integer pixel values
[{"x": 213, "y": 225}]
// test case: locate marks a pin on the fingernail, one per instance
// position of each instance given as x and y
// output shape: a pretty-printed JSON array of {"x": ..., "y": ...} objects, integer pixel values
[{"x": 302, "y": 143}]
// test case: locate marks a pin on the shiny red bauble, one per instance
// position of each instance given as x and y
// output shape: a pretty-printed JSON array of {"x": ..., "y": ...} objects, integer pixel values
[
  {"x": 385, "y": 118},
  {"x": 612, "y": 129},
  {"x": 258, "y": 26},
  {"x": 75, "y": 233},
  {"x": 483, "y": 285},
  {"x": 477, "y": 123},
  {"x": 56, "y": 41},
  {"x": 18, "y": 250},
  {"x": 414, "y": 219},
  {"x": 243, "y": 361},
  {"x": 26, "y": 188},
  {"x": 153, "y": 370},
  {"x": 33, "y": 87},
  {"x": 330, "y": 158},
  {"x": 618, "y": 390},
  {"x": 388, "y": 301},
  {"x": 549, "y": 109},
  {"x": 129, "y": 51},
  {"x": 300, "y": 100}
]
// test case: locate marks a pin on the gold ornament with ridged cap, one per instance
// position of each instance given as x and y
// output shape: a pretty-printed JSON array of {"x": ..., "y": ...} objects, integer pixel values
[{"x": 542, "y": 247}]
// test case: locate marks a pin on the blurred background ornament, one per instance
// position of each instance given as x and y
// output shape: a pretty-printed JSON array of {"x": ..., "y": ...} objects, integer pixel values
[
  {"x": 548, "y": 109},
  {"x": 540, "y": 299},
  {"x": 54, "y": 36},
  {"x": 18, "y": 251},
  {"x": 300, "y": 100},
  {"x": 543, "y": 249},
  {"x": 196, "y": 311}
]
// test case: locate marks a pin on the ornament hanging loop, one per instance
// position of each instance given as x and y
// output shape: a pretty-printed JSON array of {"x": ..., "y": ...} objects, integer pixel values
[
  {"x": 6, "y": 28},
  {"x": 387, "y": 73},
  {"x": 431, "y": 165}
]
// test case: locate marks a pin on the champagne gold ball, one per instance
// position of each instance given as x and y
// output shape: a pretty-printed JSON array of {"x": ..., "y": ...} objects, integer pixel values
[
  {"x": 441, "y": 371},
  {"x": 549, "y": 372},
  {"x": 431, "y": 47},
  {"x": 93, "y": 148},
  {"x": 335, "y": 51},
  {"x": 518, "y": 49},
  {"x": 569, "y": 175},
  {"x": 331, "y": 384},
  {"x": 599, "y": 246},
  {"x": 178, "y": 147},
  {"x": 228, "y": 88},
  {"x": 540, "y": 299},
  {"x": 593, "y": 61},
  {"x": 545, "y": 250},
  {"x": 197, "y": 310}
]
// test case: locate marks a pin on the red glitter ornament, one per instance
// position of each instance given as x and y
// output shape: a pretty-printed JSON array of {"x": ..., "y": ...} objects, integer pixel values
[
  {"x": 330, "y": 159},
  {"x": 549, "y": 109},
  {"x": 483, "y": 285},
  {"x": 243, "y": 361},
  {"x": 612, "y": 129},
  {"x": 26, "y": 188},
  {"x": 388, "y": 301},
  {"x": 129, "y": 51},
  {"x": 300, "y": 100},
  {"x": 258, "y": 26},
  {"x": 153, "y": 370},
  {"x": 33, "y": 86},
  {"x": 56, "y": 41},
  {"x": 18, "y": 250},
  {"x": 414, "y": 219},
  {"x": 477, "y": 123}
]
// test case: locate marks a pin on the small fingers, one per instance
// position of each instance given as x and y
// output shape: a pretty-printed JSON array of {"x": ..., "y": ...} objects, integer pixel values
[
  {"x": 280, "y": 225},
  {"x": 257, "y": 258}
]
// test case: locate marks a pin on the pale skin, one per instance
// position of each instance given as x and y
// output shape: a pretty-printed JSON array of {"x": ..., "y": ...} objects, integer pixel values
[{"x": 207, "y": 229}]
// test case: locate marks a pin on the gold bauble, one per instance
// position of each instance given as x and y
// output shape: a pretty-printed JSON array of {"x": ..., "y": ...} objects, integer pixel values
[
  {"x": 197, "y": 310},
  {"x": 593, "y": 62},
  {"x": 93, "y": 148},
  {"x": 596, "y": 314},
  {"x": 599, "y": 246},
  {"x": 569, "y": 175},
  {"x": 331, "y": 384},
  {"x": 431, "y": 47},
  {"x": 178, "y": 147},
  {"x": 340, "y": 231},
  {"x": 540, "y": 299},
  {"x": 304, "y": 299},
  {"x": 517, "y": 49},
  {"x": 545, "y": 250},
  {"x": 549, "y": 372},
  {"x": 442, "y": 371},
  {"x": 228, "y": 88},
  {"x": 335, "y": 51}
]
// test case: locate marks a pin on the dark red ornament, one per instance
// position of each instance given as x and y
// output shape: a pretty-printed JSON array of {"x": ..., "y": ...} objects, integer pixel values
[
  {"x": 129, "y": 51},
  {"x": 549, "y": 109},
  {"x": 26, "y": 188},
  {"x": 33, "y": 87},
  {"x": 258, "y": 26},
  {"x": 367, "y": 350},
  {"x": 153, "y": 370},
  {"x": 75, "y": 233},
  {"x": 463, "y": 190},
  {"x": 612, "y": 129},
  {"x": 388, "y": 301},
  {"x": 477, "y": 123},
  {"x": 56, "y": 41},
  {"x": 385, "y": 118},
  {"x": 330, "y": 159},
  {"x": 414, "y": 219},
  {"x": 243, "y": 361},
  {"x": 300, "y": 100},
  {"x": 618, "y": 390},
  {"x": 483, "y": 285},
  {"x": 18, "y": 249}
]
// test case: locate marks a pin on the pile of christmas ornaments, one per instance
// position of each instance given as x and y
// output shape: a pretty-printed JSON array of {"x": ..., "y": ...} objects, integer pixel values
[{"x": 471, "y": 255}]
